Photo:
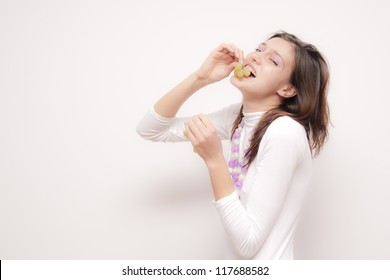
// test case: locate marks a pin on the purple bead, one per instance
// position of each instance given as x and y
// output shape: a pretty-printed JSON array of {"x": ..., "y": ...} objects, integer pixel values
[
  {"x": 238, "y": 184},
  {"x": 236, "y": 135},
  {"x": 235, "y": 176},
  {"x": 235, "y": 148}
]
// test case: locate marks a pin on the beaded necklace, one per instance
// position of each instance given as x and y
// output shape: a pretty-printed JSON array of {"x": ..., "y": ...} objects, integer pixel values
[{"x": 236, "y": 166}]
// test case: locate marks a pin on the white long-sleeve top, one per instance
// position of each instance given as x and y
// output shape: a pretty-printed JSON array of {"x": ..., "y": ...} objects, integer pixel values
[{"x": 261, "y": 222}]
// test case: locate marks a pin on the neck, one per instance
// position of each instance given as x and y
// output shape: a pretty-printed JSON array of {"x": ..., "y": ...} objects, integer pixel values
[{"x": 251, "y": 106}]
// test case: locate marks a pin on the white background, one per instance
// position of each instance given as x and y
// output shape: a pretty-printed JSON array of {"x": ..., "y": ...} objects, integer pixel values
[{"x": 77, "y": 182}]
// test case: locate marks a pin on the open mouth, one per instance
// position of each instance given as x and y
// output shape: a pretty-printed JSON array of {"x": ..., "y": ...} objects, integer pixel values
[
  {"x": 252, "y": 72},
  {"x": 246, "y": 71}
]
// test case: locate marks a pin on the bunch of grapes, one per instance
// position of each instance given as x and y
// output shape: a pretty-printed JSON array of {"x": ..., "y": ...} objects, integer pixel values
[{"x": 240, "y": 71}]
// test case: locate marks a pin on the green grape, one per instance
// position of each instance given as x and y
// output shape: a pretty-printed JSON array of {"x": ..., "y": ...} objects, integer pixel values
[
  {"x": 238, "y": 70},
  {"x": 239, "y": 73},
  {"x": 246, "y": 72},
  {"x": 238, "y": 66}
]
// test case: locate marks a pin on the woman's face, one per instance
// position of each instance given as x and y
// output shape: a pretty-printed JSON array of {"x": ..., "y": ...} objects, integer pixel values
[{"x": 272, "y": 63}]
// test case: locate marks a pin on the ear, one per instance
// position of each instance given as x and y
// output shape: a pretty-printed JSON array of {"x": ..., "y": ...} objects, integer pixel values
[{"x": 287, "y": 91}]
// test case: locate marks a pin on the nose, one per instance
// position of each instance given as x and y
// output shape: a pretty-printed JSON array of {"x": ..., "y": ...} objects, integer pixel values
[{"x": 254, "y": 57}]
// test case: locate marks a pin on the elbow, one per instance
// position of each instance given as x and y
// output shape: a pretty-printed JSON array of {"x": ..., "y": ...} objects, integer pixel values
[
  {"x": 149, "y": 134},
  {"x": 249, "y": 247},
  {"x": 247, "y": 253},
  {"x": 144, "y": 133},
  {"x": 154, "y": 129},
  {"x": 140, "y": 131}
]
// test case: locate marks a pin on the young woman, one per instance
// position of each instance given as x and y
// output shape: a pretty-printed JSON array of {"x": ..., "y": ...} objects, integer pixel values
[{"x": 275, "y": 132}]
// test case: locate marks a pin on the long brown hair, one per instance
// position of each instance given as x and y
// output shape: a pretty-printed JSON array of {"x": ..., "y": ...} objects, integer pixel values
[{"x": 309, "y": 106}]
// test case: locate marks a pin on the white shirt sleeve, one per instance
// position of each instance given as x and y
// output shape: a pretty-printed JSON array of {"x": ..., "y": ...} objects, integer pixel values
[
  {"x": 280, "y": 151},
  {"x": 155, "y": 127}
]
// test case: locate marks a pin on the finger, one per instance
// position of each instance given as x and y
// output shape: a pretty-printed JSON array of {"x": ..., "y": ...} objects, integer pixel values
[
  {"x": 190, "y": 136},
  {"x": 238, "y": 53},
  {"x": 185, "y": 134},
  {"x": 223, "y": 48},
  {"x": 236, "y": 50},
  {"x": 230, "y": 50},
  {"x": 209, "y": 127},
  {"x": 205, "y": 121},
  {"x": 242, "y": 57},
  {"x": 193, "y": 132},
  {"x": 199, "y": 123},
  {"x": 196, "y": 127}
]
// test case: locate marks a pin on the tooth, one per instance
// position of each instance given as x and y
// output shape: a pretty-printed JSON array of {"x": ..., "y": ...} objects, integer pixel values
[
  {"x": 247, "y": 72},
  {"x": 247, "y": 66}
]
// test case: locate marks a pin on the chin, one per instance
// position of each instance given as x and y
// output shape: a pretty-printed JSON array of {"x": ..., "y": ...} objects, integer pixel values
[
  {"x": 236, "y": 82},
  {"x": 233, "y": 80},
  {"x": 241, "y": 84}
]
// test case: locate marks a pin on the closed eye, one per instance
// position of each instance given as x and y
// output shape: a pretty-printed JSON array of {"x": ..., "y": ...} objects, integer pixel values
[{"x": 273, "y": 61}]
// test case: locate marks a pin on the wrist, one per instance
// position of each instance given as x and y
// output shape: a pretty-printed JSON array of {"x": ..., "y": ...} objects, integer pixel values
[
  {"x": 215, "y": 162},
  {"x": 200, "y": 79},
  {"x": 220, "y": 177}
]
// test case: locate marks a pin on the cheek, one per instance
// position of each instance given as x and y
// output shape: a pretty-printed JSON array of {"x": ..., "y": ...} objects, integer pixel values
[
  {"x": 269, "y": 78},
  {"x": 253, "y": 87},
  {"x": 264, "y": 86},
  {"x": 274, "y": 76},
  {"x": 267, "y": 82}
]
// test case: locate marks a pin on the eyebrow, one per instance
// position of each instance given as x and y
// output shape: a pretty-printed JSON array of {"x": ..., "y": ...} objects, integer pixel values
[{"x": 276, "y": 52}]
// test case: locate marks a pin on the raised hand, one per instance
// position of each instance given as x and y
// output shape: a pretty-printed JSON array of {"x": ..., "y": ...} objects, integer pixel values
[{"x": 220, "y": 63}]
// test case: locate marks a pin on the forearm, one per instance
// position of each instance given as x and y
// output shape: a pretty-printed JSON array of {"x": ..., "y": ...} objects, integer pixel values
[
  {"x": 221, "y": 181},
  {"x": 170, "y": 103}
]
